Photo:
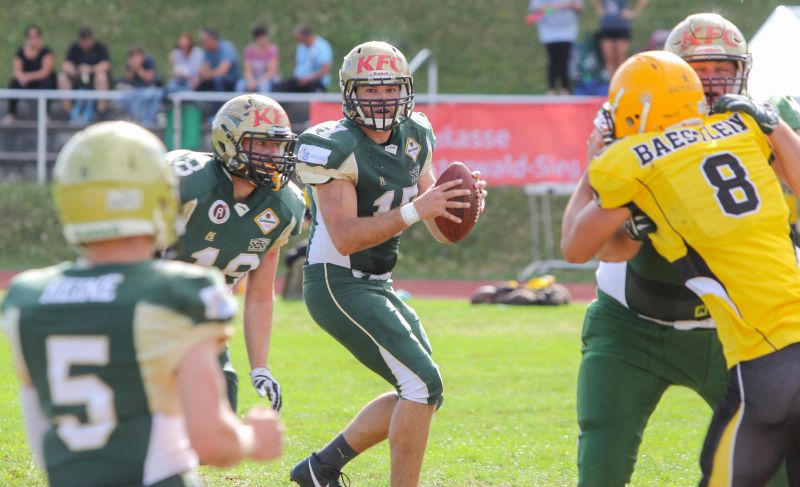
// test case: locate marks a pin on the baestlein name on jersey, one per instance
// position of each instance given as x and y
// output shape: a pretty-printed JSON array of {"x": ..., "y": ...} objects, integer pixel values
[{"x": 672, "y": 140}]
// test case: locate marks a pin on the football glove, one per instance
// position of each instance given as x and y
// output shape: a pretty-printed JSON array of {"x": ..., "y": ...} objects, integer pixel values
[
  {"x": 267, "y": 386},
  {"x": 603, "y": 122},
  {"x": 764, "y": 114},
  {"x": 639, "y": 225},
  {"x": 789, "y": 110}
]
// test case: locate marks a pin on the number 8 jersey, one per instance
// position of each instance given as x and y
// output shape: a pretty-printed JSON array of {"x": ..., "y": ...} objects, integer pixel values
[
  {"x": 722, "y": 223},
  {"x": 385, "y": 176},
  {"x": 223, "y": 233}
]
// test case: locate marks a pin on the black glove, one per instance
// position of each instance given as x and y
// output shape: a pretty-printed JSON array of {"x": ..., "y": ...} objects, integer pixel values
[
  {"x": 765, "y": 114},
  {"x": 639, "y": 225}
]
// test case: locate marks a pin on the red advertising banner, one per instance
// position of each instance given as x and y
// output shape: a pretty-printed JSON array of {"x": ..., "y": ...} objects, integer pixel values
[{"x": 510, "y": 144}]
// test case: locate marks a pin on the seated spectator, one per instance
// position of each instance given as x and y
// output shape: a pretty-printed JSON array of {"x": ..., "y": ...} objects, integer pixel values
[
  {"x": 185, "y": 60},
  {"x": 32, "y": 68},
  {"x": 312, "y": 63},
  {"x": 220, "y": 68},
  {"x": 260, "y": 63},
  {"x": 143, "y": 97},
  {"x": 87, "y": 66}
]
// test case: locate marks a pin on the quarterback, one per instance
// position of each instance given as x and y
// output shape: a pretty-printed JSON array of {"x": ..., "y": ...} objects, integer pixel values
[
  {"x": 371, "y": 178},
  {"x": 109, "y": 349},
  {"x": 721, "y": 222},
  {"x": 240, "y": 208},
  {"x": 647, "y": 331}
]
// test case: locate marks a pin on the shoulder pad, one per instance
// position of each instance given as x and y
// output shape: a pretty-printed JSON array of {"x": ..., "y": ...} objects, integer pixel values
[{"x": 327, "y": 144}]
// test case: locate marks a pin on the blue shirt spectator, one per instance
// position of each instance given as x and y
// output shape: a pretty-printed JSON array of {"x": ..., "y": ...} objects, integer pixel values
[
  {"x": 313, "y": 58},
  {"x": 220, "y": 69}
]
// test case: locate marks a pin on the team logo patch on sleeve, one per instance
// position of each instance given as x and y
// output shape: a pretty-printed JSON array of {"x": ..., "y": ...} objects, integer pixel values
[
  {"x": 267, "y": 220},
  {"x": 312, "y": 154},
  {"x": 219, "y": 212},
  {"x": 412, "y": 148}
]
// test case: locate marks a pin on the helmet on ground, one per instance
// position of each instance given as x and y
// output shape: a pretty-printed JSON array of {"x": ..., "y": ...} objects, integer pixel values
[
  {"x": 249, "y": 120},
  {"x": 111, "y": 181},
  {"x": 376, "y": 63},
  {"x": 654, "y": 90},
  {"x": 711, "y": 37}
]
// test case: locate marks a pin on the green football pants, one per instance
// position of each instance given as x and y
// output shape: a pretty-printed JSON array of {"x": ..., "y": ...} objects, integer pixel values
[
  {"x": 376, "y": 326},
  {"x": 628, "y": 362}
]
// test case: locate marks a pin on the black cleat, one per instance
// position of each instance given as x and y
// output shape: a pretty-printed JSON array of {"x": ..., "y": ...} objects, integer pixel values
[{"x": 311, "y": 472}]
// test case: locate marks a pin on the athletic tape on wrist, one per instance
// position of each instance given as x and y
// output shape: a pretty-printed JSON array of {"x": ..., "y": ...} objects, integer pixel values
[{"x": 409, "y": 214}]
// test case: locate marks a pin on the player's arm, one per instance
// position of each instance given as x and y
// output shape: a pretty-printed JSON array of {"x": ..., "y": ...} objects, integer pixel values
[
  {"x": 351, "y": 233},
  {"x": 586, "y": 227},
  {"x": 786, "y": 146},
  {"x": 259, "y": 302},
  {"x": 215, "y": 432},
  {"x": 35, "y": 423}
]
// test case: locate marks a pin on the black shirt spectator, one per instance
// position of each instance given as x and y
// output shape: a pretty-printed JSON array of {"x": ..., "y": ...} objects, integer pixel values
[
  {"x": 96, "y": 53},
  {"x": 87, "y": 66},
  {"x": 32, "y": 67}
]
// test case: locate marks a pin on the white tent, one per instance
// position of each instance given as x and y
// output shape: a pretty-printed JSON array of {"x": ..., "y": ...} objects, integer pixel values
[{"x": 774, "y": 49}]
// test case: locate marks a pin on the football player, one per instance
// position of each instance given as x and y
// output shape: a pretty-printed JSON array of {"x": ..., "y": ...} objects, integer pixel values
[
  {"x": 240, "y": 208},
  {"x": 109, "y": 349},
  {"x": 647, "y": 331},
  {"x": 371, "y": 178},
  {"x": 721, "y": 223}
]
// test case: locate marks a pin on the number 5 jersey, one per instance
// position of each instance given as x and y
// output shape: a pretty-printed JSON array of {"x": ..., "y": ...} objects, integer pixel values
[{"x": 101, "y": 346}]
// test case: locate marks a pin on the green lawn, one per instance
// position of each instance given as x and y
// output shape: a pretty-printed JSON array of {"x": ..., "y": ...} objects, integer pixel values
[{"x": 508, "y": 418}]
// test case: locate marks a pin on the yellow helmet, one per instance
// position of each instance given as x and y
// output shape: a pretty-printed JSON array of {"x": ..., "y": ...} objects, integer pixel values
[
  {"x": 652, "y": 91},
  {"x": 376, "y": 63},
  {"x": 111, "y": 181},
  {"x": 711, "y": 37},
  {"x": 255, "y": 118}
]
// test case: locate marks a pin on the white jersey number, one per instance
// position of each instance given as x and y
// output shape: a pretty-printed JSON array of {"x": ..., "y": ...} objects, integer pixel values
[
  {"x": 384, "y": 203},
  {"x": 64, "y": 351},
  {"x": 208, "y": 256}
]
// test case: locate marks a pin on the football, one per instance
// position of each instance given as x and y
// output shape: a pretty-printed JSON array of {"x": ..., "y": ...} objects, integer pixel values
[{"x": 452, "y": 231}]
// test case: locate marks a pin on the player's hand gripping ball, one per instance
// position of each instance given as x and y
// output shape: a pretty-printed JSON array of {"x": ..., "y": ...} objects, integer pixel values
[{"x": 452, "y": 231}]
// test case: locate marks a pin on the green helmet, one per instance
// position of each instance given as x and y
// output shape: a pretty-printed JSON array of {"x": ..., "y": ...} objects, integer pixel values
[
  {"x": 247, "y": 119},
  {"x": 376, "y": 63},
  {"x": 711, "y": 37},
  {"x": 111, "y": 181}
]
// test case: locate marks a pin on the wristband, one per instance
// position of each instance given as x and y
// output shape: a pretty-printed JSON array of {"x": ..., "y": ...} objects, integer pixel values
[{"x": 409, "y": 214}]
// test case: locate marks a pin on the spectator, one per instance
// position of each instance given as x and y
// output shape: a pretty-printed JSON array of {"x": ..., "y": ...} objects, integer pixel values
[
  {"x": 33, "y": 68},
  {"x": 185, "y": 60},
  {"x": 220, "y": 68},
  {"x": 260, "y": 63},
  {"x": 557, "y": 22},
  {"x": 143, "y": 97},
  {"x": 312, "y": 63},
  {"x": 87, "y": 66},
  {"x": 615, "y": 30}
]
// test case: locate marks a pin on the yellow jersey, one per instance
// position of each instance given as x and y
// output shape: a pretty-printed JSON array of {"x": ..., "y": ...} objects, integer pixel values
[{"x": 722, "y": 222}]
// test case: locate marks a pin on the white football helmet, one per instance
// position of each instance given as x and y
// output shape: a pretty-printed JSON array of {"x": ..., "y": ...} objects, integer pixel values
[
  {"x": 376, "y": 63},
  {"x": 244, "y": 120}
]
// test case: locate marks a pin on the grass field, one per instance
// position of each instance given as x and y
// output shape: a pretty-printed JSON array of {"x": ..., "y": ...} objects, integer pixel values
[{"x": 508, "y": 418}]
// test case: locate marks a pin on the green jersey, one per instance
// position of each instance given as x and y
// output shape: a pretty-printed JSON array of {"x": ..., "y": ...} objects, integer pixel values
[
  {"x": 648, "y": 285},
  {"x": 101, "y": 345},
  {"x": 223, "y": 233},
  {"x": 385, "y": 176}
]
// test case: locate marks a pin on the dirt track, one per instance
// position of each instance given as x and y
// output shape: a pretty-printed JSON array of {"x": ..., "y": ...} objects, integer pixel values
[{"x": 427, "y": 288}]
